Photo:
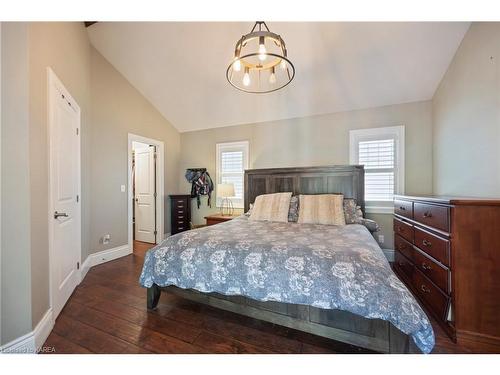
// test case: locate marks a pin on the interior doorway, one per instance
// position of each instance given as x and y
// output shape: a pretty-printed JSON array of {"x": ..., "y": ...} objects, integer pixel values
[{"x": 145, "y": 191}]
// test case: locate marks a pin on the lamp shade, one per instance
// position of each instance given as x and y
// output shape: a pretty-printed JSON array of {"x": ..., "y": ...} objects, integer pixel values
[{"x": 225, "y": 190}]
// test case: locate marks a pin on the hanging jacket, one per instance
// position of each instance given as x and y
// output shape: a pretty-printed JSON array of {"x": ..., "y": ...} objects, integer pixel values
[{"x": 201, "y": 184}]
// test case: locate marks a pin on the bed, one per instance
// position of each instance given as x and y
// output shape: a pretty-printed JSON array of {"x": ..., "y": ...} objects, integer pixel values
[{"x": 331, "y": 281}]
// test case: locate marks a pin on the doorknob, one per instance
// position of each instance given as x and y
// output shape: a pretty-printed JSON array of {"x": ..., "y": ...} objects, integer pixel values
[{"x": 60, "y": 214}]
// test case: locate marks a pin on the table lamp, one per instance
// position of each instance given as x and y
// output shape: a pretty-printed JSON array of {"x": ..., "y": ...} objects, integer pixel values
[{"x": 225, "y": 191}]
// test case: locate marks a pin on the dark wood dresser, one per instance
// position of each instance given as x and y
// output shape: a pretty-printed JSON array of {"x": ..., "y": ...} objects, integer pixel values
[
  {"x": 180, "y": 210},
  {"x": 448, "y": 254}
]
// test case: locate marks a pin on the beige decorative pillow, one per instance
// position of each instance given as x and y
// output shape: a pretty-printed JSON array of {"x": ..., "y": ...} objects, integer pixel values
[
  {"x": 322, "y": 209},
  {"x": 271, "y": 207}
]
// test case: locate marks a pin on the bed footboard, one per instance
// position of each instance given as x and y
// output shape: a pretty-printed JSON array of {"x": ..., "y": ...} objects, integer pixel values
[{"x": 372, "y": 334}]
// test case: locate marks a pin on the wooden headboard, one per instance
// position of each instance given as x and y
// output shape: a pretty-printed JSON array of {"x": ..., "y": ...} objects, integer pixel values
[{"x": 348, "y": 180}]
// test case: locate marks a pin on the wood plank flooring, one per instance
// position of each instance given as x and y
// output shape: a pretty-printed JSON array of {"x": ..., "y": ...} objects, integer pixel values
[{"x": 107, "y": 314}]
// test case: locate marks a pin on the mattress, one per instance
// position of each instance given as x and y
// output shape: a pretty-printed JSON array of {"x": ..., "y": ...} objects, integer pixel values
[{"x": 325, "y": 266}]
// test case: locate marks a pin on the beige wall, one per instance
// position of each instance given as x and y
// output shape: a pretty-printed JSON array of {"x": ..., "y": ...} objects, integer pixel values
[
  {"x": 316, "y": 140},
  {"x": 111, "y": 108},
  {"x": 15, "y": 246},
  {"x": 466, "y": 117},
  {"x": 63, "y": 46},
  {"x": 118, "y": 109}
]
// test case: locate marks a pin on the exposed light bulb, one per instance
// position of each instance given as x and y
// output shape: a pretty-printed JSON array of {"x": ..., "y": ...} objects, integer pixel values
[
  {"x": 246, "y": 78},
  {"x": 272, "y": 77},
  {"x": 262, "y": 49},
  {"x": 283, "y": 64},
  {"x": 237, "y": 65}
]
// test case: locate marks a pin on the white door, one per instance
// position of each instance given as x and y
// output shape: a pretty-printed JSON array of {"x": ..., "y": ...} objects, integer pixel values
[
  {"x": 145, "y": 194},
  {"x": 64, "y": 215}
]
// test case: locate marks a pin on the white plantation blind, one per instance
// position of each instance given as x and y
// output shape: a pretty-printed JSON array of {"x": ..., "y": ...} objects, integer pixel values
[
  {"x": 232, "y": 171},
  {"x": 232, "y": 160},
  {"x": 378, "y": 157},
  {"x": 381, "y": 152}
]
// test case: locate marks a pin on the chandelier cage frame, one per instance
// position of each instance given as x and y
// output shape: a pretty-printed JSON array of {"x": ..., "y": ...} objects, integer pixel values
[{"x": 247, "y": 66}]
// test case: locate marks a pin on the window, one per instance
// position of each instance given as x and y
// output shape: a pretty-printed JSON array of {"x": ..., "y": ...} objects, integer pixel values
[
  {"x": 381, "y": 151},
  {"x": 232, "y": 160}
]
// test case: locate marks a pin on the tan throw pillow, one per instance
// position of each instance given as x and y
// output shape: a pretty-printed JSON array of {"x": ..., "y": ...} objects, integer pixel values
[
  {"x": 322, "y": 209},
  {"x": 271, "y": 207}
]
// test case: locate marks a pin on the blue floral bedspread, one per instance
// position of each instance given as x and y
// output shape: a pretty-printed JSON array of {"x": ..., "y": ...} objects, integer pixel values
[{"x": 325, "y": 266}]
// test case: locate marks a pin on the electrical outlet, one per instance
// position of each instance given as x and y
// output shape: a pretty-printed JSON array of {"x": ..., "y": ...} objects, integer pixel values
[
  {"x": 106, "y": 239},
  {"x": 380, "y": 238}
]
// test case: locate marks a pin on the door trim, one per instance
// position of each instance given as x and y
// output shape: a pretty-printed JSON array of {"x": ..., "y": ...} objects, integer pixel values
[
  {"x": 160, "y": 185},
  {"x": 53, "y": 82}
]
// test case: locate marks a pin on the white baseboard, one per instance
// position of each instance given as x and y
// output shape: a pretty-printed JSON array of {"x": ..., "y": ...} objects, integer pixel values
[
  {"x": 43, "y": 329},
  {"x": 389, "y": 254},
  {"x": 31, "y": 342},
  {"x": 103, "y": 257}
]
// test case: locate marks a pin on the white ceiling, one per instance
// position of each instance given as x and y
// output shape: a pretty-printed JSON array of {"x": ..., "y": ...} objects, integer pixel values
[{"x": 180, "y": 67}]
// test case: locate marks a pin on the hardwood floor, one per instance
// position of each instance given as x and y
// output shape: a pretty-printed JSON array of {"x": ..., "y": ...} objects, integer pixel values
[{"x": 107, "y": 314}]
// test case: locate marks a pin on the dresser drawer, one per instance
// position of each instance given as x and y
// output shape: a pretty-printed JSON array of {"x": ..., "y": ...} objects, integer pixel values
[
  {"x": 403, "y": 246},
  {"x": 433, "y": 216},
  {"x": 435, "y": 246},
  {"x": 435, "y": 298},
  {"x": 176, "y": 228},
  {"x": 437, "y": 273},
  {"x": 180, "y": 203},
  {"x": 179, "y": 211},
  {"x": 405, "y": 230},
  {"x": 403, "y": 264},
  {"x": 403, "y": 208}
]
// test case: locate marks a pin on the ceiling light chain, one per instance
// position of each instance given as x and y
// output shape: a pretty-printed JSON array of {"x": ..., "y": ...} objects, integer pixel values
[{"x": 253, "y": 57}]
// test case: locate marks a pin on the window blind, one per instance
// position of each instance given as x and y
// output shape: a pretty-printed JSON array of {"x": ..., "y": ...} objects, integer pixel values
[
  {"x": 232, "y": 170},
  {"x": 378, "y": 157}
]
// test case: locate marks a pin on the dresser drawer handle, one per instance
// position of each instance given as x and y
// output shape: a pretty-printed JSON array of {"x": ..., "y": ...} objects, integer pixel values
[
  {"x": 180, "y": 217},
  {"x": 181, "y": 201},
  {"x": 424, "y": 289},
  {"x": 400, "y": 229},
  {"x": 427, "y": 214},
  {"x": 426, "y": 243},
  {"x": 180, "y": 212},
  {"x": 401, "y": 264},
  {"x": 180, "y": 222},
  {"x": 425, "y": 266},
  {"x": 180, "y": 228},
  {"x": 402, "y": 208}
]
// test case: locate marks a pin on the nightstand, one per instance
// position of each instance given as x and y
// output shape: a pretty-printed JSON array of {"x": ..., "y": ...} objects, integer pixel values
[{"x": 218, "y": 218}]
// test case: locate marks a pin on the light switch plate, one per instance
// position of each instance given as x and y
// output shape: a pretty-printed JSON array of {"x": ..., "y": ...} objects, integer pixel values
[{"x": 122, "y": 188}]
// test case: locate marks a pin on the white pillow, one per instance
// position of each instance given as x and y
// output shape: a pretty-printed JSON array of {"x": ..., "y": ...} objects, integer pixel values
[
  {"x": 321, "y": 209},
  {"x": 271, "y": 207}
]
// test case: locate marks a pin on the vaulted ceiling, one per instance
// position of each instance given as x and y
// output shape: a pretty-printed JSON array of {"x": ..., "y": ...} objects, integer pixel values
[{"x": 180, "y": 67}]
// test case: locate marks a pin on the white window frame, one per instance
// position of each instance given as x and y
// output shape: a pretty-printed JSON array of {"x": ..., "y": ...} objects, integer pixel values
[
  {"x": 391, "y": 132},
  {"x": 230, "y": 146}
]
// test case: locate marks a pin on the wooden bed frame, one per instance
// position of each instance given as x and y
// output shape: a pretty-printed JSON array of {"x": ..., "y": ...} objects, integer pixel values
[{"x": 373, "y": 334}]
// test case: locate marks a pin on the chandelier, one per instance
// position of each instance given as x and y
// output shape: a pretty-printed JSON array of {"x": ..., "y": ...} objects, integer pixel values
[{"x": 260, "y": 62}]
